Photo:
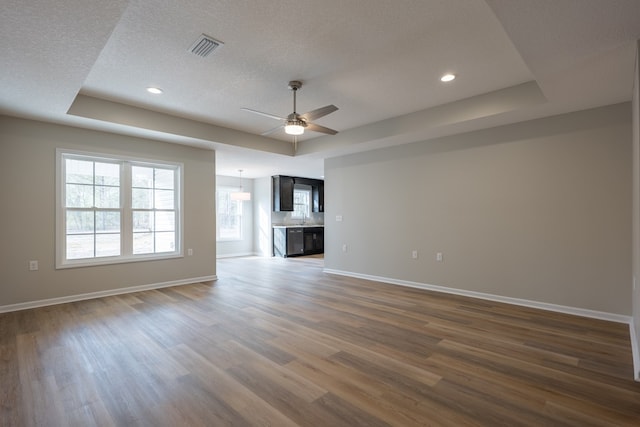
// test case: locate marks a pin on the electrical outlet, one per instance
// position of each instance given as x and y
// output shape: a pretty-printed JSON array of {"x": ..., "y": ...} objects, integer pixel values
[
  {"x": 189, "y": 252},
  {"x": 439, "y": 256},
  {"x": 338, "y": 218},
  {"x": 344, "y": 248},
  {"x": 414, "y": 254},
  {"x": 33, "y": 265}
]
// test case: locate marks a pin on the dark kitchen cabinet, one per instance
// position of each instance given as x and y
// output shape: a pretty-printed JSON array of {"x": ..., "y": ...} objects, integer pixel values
[
  {"x": 313, "y": 240},
  {"x": 282, "y": 193},
  {"x": 317, "y": 192}
]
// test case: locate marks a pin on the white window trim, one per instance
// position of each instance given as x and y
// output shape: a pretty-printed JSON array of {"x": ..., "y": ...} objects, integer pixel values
[{"x": 127, "y": 225}]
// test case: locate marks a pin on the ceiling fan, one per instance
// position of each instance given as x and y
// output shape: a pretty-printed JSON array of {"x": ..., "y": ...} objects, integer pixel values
[{"x": 295, "y": 124}]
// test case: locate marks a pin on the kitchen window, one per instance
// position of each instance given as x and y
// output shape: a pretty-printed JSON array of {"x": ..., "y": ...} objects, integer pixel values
[
  {"x": 112, "y": 209},
  {"x": 228, "y": 215},
  {"x": 301, "y": 202}
]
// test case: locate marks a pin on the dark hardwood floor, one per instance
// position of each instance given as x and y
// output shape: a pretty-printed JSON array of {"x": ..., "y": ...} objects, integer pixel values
[{"x": 277, "y": 342}]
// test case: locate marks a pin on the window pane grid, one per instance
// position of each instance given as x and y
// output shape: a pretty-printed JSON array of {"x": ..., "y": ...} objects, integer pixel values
[
  {"x": 92, "y": 211},
  {"x": 301, "y": 204},
  {"x": 229, "y": 215},
  {"x": 153, "y": 209},
  {"x": 153, "y": 231},
  {"x": 92, "y": 233}
]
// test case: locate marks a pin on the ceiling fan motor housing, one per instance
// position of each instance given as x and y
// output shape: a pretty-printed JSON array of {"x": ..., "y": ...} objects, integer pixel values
[
  {"x": 295, "y": 119},
  {"x": 295, "y": 84}
]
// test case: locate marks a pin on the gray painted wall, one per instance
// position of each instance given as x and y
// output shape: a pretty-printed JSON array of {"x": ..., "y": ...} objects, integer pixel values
[
  {"x": 537, "y": 210},
  {"x": 27, "y": 172}
]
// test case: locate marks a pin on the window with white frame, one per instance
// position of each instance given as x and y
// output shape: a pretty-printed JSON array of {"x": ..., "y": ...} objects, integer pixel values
[
  {"x": 113, "y": 209},
  {"x": 228, "y": 215},
  {"x": 301, "y": 202}
]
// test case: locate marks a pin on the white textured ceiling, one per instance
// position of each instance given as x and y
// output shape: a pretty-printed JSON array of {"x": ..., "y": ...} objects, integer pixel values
[{"x": 88, "y": 63}]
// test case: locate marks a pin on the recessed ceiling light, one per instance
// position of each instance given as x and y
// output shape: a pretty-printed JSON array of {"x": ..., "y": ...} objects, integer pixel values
[
  {"x": 447, "y": 77},
  {"x": 154, "y": 90}
]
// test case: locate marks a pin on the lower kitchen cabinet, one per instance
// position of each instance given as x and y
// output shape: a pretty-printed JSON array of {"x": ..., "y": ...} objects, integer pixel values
[
  {"x": 296, "y": 241},
  {"x": 313, "y": 240}
]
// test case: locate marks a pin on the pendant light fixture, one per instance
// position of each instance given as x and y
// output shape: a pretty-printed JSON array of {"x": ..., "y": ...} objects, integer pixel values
[{"x": 240, "y": 195}]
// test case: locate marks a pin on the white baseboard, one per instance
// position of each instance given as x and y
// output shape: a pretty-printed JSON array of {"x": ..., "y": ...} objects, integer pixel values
[
  {"x": 236, "y": 255},
  {"x": 612, "y": 317},
  {"x": 100, "y": 294},
  {"x": 635, "y": 350}
]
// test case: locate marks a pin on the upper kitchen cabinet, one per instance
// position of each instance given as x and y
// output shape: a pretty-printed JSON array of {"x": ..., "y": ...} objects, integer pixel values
[
  {"x": 283, "y": 192},
  {"x": 318, "y": 197}
]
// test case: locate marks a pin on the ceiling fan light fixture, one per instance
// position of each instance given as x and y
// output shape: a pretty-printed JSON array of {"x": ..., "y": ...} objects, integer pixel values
[
  {"x": 448, "y": 77},
  {"x": 294, "y": 129}
]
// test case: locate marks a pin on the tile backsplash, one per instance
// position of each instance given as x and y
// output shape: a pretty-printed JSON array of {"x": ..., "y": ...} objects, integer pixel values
[{"x": 284, "y": 218}]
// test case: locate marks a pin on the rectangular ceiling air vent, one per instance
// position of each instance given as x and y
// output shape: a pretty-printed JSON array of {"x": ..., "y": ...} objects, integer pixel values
[{"x": 205, "y": 45}]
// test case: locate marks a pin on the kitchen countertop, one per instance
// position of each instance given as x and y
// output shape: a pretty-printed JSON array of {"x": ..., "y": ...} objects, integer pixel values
[{"x": 298, "y": 226}]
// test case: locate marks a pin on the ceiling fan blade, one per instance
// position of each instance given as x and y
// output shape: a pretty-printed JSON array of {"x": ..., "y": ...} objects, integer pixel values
[
  {"x": 272, "y": 130},
  {"x": 317, "y": 128},
  {"x": 318, "y": 112},
  {"x": 263, "y": 114}
]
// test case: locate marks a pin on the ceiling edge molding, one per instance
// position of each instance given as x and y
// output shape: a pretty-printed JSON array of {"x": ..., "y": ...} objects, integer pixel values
[
  {"x": 140, "y": 118},
  {"x": 420, "y": 125}
]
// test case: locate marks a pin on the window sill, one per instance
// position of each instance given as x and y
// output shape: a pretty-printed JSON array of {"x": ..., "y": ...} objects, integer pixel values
[{"x": 118, "y": 260}]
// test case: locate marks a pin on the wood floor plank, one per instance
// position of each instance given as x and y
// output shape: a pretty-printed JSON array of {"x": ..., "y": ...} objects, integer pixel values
[
  {"x": 346, "y": 414},
  {"x": 279, "y": 342},
  {"x": 575, "y": 412},
  {"x": 583, "y": 388},
  {"x": 275, "y": 373},
  {"x": 252, "y": 408},
  {"x": 11, "y": 412},
  {"x": 482, "y": 338},
  {"x": 357, "y": 389},
  {"x": 303, "y": 342}
]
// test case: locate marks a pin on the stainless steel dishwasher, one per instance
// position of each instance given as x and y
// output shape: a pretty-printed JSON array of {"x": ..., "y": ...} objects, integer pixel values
[{"x": 295, "y": 241}]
